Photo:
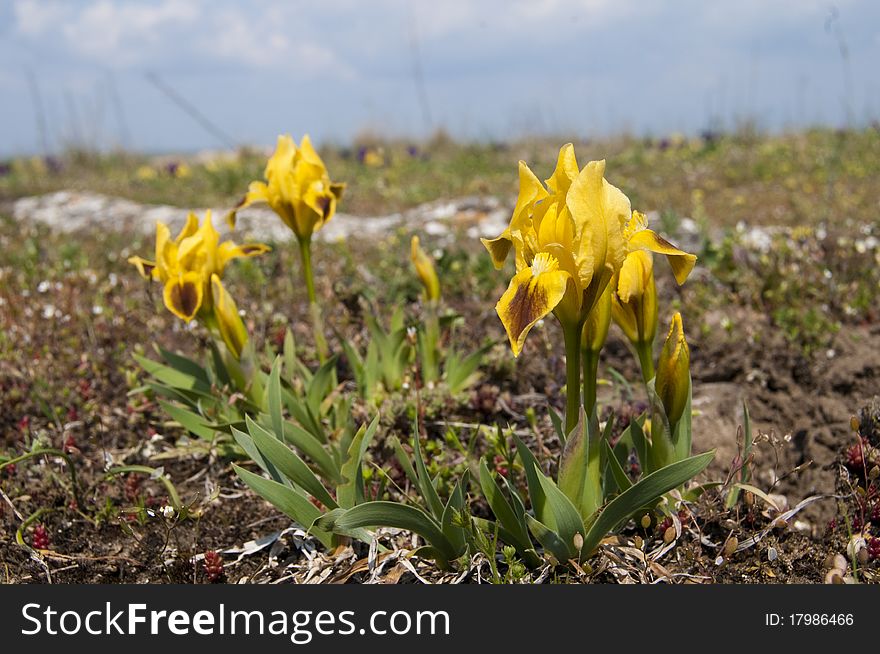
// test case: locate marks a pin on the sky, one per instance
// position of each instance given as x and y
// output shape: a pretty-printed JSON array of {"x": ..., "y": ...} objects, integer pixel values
[{"x": 184, "y": 75}]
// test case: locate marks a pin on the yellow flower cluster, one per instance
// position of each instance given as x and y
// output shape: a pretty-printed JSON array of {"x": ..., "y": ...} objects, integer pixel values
[
  {"x": 298, "y": 188},
  {"x": 572, "y": 238},
  {"x": 190, "y": 268}
]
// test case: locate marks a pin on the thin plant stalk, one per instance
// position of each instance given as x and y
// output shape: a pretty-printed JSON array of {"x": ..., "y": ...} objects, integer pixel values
[
  {"x": 591, "y": 373},
  {"x": 243, "y": 371},
  {"x": 305, "y": 251},
  {"x": 572, "y": 337},
  {"x": 646, "y": 361},
  {"x": 432, "y": 340},
  {"x": 153, "y": 473}
]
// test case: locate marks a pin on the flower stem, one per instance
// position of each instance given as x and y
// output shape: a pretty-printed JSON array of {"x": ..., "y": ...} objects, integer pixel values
[
  {"x": 242, "y": 371},
  {"x": 572, "y": 337},
  {"x": 662, "y": 451},
  {"x": 305, "y": 251},
  {"x": 646, "y": 360},
  {"x": 591, "y": 373},
  {"x": 430, "y": 358}
]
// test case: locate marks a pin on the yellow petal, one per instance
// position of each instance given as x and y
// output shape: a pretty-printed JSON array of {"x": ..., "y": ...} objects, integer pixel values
[
  {"x": 228, "y": 250},
  {"x": 309, "y": 154},
  {"x": 498, "y": 248},
  {"x": 554, "y": 225},
  {"x": 183, "y": 295},
  {"x": 199, "y": 251},
  {"x": 337, "y": 189},
  {"x": 636, "y": 271},
  {"x": 533, "y": 293},
  {"x": 424, "y": 266},
  {"x": 600, "y": 211},
  {"x": 145, "y": 268},
  {"x": 682, "y": 263},
  {"x": 637, "y": 223},
  {"x": 163, "y": 236},
  {"x": 257, "y": 192},
  {"x": 166, "y": 253},
  {"x": 281, "y": 161},
  {"x": 566, "y": 170},
  {"x": 624, "y": 317},
  {"x": 530, "y": 191},
  {"x": 597, "y": 324},
  {"x": 592, "y": 292},
  {"x": 566, "y": 261},
  {"x": 635, "y": 302},
  {"x": 618, "y": 211},
  {"x": 673, "y": 372},
  {"x": 190, "y": 228},
  {"x": 230, "y": 324},
  {"x": 322, "y": 203}
]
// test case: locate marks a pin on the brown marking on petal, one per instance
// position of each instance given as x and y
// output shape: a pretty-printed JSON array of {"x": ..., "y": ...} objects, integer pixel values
[
  {"x": 185, "y": 298},
  {"x": 498, "y": 249},
  {"x": 664, "y": 242},
  {"x": 145, "y": 268},
  {"x": 520, "y": 313},
  {"x": 323, "y": 203},
  {"x": 241, "y": 202},
  {"x": 252, "y": 248}
]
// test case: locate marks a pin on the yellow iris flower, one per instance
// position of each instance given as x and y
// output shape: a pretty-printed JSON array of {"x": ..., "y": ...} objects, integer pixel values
[
  {"x": 190, "y": 267},
  {"x": 297, "y": 188},
  {"x": 570, "y": 239}
]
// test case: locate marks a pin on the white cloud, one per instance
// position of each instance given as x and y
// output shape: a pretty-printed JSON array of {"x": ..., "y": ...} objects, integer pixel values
[
  {"x": 538, "y": 18},
  {"x": 110, "y": 31},
  {"x": 33, "y": 18},
  {"x": 119, "y": 34},
  {"x": 120, "y": 31},
  {"x": 271, "y": 40}
]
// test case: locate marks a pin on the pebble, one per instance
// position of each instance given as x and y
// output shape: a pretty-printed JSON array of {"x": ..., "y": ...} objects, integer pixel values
[
  {"x": 803, "y": 526},
  {"x": 836, "y": 562},
  {"x": 781, "y": 501},
  {"x": 730, "y": 547},
  {"x": 833, "y": 577},
  {"x": 856, "y": 545},
  {"x": 72, "y": 211}
]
